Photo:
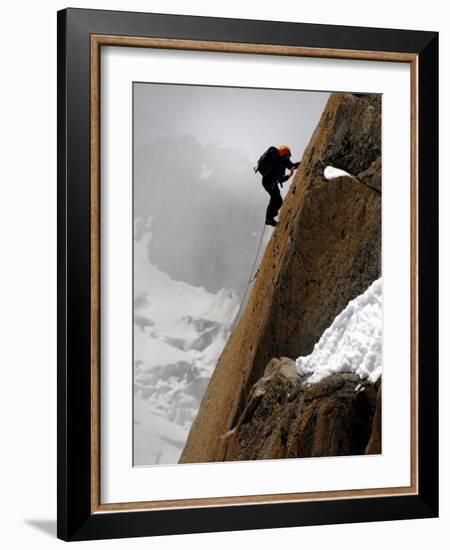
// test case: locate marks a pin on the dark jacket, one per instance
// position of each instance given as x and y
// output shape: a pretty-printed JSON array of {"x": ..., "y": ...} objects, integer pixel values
[{"x": 277, "y": 172}]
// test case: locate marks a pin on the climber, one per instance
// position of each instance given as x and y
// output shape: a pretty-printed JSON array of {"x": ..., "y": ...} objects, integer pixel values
[{"x": 272, "y": 165}]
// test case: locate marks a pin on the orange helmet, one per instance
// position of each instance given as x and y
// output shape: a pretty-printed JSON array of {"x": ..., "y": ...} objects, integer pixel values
[{"x": 284, "y": 150}]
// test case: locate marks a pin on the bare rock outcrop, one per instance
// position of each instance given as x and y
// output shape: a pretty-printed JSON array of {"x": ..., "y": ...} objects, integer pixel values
[
  {"x": 372, "y": 176},
  {"x": 325, "y": 251},
  {"x": 286, "y": 418},
  {"x": 374, "y": 445}
]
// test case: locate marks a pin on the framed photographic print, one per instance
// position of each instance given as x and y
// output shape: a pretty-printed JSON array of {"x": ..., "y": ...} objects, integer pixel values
[{"x": 247, "y": 257}]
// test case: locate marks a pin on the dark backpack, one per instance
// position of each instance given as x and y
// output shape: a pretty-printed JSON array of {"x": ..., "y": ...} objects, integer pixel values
[{"x": 266, "y": 160}]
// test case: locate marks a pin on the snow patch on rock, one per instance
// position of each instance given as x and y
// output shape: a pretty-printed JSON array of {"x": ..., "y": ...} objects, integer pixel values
[
  {"x": 331, "y": 173},
  {"x": 352, "y": 343}
]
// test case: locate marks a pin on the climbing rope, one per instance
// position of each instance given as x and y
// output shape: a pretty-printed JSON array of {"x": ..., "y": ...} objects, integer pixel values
[{"x": 251, "y": 278}]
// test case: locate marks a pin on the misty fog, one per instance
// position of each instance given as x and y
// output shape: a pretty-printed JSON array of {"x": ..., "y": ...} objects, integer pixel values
[{"x": 194, "y": 152}]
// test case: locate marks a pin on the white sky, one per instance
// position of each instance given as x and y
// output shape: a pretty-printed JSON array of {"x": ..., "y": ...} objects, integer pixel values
[{"x": 248, "y": 119}]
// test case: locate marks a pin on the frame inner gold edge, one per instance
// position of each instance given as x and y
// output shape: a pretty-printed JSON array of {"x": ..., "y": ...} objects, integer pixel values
[{"x": 104, "y": 40}]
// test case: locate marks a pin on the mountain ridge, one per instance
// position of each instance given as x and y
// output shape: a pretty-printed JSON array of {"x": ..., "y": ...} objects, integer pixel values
[{"x": 325, "y": 251}]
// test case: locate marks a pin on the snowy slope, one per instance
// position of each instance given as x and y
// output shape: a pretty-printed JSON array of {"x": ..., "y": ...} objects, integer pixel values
[
  {"x": 352, "y": 343},
  {"x": 179, "y": 333}
]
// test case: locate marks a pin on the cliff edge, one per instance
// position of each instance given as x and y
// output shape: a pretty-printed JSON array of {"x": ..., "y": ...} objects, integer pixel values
[{"x": 325, "y": 251}]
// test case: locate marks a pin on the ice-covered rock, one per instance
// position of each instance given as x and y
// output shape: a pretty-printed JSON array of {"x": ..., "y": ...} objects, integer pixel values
[{"x": 352, "y": 343}]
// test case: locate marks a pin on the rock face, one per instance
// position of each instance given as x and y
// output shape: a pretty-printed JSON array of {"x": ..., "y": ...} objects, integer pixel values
[
  {"x": 374, "y": 445},
  {"x": 372, "y": 176},
  {"x": 284, "y": 418},
  {"x": 325, "y": 251}
]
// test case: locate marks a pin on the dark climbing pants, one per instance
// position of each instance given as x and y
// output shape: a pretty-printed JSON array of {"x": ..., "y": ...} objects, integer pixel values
[{"x": 271, "y": 186}]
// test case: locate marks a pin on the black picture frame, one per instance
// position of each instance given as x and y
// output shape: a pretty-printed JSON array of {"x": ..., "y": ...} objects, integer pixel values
[{"x": 76, "y": 520}]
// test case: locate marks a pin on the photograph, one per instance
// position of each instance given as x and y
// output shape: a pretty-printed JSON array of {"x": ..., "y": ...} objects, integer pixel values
[
  {"x": 257, "y": 283},
  {"x": 222, "y": 224},
  {"x": 247, "y": 274}
]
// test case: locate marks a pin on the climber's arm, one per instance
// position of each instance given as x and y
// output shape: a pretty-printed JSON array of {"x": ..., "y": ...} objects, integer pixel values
[{"x": 293, "y": 165}]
